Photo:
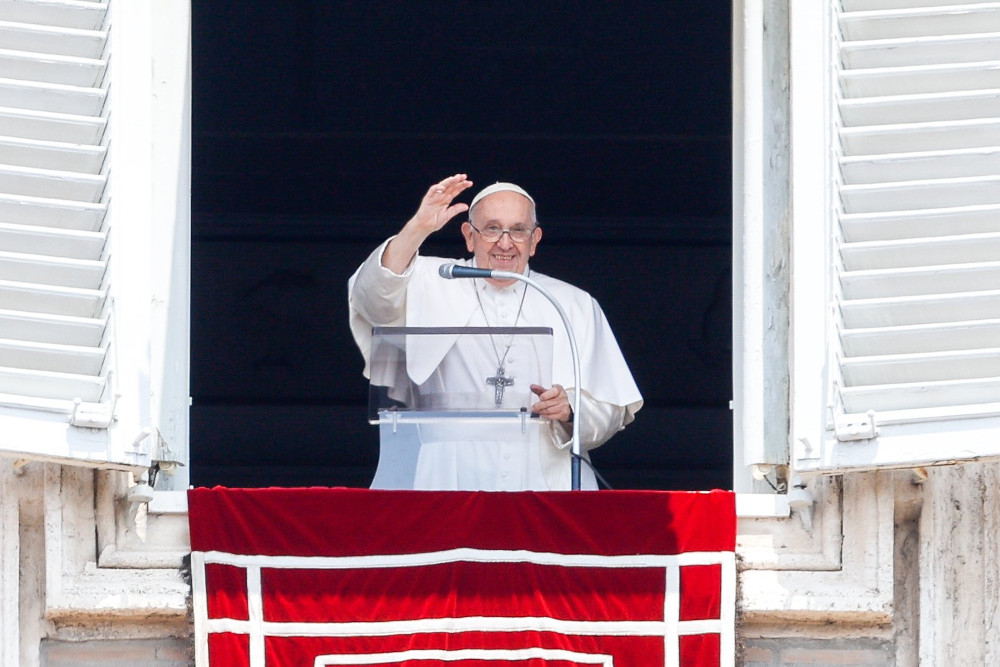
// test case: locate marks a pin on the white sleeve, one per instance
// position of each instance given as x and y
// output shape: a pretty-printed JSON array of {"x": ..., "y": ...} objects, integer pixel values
[
  {"x": 598, "y": 422},
  {"x": 377, "y": 295}
]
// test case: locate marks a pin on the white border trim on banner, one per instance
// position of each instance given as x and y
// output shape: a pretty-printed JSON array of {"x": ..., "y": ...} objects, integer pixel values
[
  {"x": 671, "y": 628},
  {"x": 485, "y": 655}
]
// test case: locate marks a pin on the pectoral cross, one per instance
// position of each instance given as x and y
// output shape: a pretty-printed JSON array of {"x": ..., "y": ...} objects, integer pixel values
[{"x": 499, "y": 382}]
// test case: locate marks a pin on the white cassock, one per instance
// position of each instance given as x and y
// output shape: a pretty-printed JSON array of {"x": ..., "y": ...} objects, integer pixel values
[{"x": 420, "y": 297}]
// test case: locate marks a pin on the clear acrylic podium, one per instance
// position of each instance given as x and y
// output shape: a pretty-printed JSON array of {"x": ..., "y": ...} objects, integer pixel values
[{"x": 435, "y": 389}]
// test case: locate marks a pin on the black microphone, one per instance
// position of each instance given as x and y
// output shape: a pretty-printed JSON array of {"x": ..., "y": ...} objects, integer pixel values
[{"x": 455, "y": 271}]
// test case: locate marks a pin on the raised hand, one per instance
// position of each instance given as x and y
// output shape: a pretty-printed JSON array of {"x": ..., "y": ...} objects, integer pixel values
[{"x": 436, "y": 209}]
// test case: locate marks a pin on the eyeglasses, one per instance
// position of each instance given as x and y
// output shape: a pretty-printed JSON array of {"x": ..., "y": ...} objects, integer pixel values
[{"x": 493, "y": 233}]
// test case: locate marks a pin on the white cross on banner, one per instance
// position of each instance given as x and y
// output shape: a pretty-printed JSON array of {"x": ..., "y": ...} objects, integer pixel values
[{"x": 327, "y": 577}]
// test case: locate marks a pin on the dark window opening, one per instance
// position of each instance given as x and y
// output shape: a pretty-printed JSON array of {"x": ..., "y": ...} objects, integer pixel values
[{"x": 318, "y": 126}]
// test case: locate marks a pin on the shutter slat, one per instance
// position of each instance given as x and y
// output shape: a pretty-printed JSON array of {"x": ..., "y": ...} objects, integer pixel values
[
  {"x": 51, "y": 126},
  {"x": 52, "y": 39},
  {"x": 922, "y": 223},
  {"x": 921, "y": 21},
  {"x": 56, "y": 271},
  {"x": 920, "y": 309},
  {"x": 884, "y": 82},
  {"x": 873, "y": 5},
  {"x": 937, "y": 49},
  {"x": 31, "y": 355},
  {"x": 918, "y": 338},
  {"x": 911, "y": 195},
  {"x": 36, "y": 298},
  {"x": 936, "y": 107},
  {"x": 946, "y": 279},
  {"x": 48, "y": 328},
  {"x": 65, "y": 70},
  {"x": 961, "y": 395},
  {"x": 919, "y": 137},
  {"x": 71, "y": 244},
  {"x": 918, "y": 367},
  {"x": 57, "y": 98},
  {"x": 47, "y": 384},
  {"x": 77, "y": 14},
  {"x": 897, "y": 167},
  {"x": 30, "y": 182},
  {"x": 965, "y": 248},
  {"x": 84, "y": 216},
  {"x": 52, "y": 155}
]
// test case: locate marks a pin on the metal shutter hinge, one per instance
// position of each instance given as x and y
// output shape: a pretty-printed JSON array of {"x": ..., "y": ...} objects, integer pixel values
[
  {"x": 93, "y": 415},
  {"x": 855, "y": 427}
]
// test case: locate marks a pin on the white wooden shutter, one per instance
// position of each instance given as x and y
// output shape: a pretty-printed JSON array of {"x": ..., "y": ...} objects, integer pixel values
[
  {"x": 53, "y": 264},
  {"x": 94, "y": 231},
  {"x": 913, "y": 305}
]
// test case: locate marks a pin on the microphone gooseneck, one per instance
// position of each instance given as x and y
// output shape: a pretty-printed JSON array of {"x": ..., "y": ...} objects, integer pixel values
[{"x": 451, "y": 271}]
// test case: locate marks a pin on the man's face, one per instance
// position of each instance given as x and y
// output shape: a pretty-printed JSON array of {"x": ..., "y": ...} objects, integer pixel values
[{"x": 505, "y": 210}]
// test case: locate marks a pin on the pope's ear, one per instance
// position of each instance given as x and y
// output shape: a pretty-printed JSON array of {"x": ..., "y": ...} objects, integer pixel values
[
  {"x": 467, "y": 233},
  {"x": 536, "y": 236}
]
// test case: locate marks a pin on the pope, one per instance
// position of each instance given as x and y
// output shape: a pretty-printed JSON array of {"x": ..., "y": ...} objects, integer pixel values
[{"x": 397, "y": 286}]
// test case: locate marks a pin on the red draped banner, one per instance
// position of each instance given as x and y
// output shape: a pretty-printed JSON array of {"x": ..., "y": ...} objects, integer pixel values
[{"x": 327, "y": 577}]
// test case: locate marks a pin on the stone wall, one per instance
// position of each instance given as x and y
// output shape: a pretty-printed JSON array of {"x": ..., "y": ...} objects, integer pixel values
[{"x": 173, "y": 652}]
